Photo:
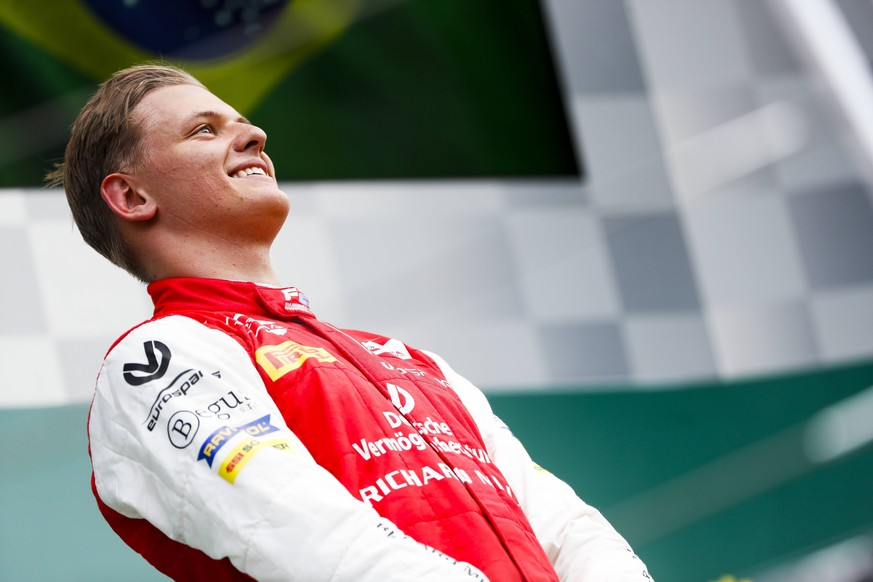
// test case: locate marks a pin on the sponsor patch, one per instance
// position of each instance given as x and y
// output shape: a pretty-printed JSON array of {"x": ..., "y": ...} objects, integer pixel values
[
  {"x": 242, "y": 454},
  {"x": 228, "y": 405},
  {"x": 222, "y": 435},
  {"x": 182, "y": 428},
  {"x": 288, "y": 356},
  {"x": 293, "y": 298},
  {"x": 154, "y": 367},
  {"x": 401, "y": 399},
  {"x": 168, "y": 393},
  {"x": 393, "y": 347},
  {"x": 258, "y": 325}
]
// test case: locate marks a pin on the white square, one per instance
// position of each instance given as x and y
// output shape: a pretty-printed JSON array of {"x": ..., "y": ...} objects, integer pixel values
[
  {"x": 744, "y": 250},
  {"x": 13, "y": 210},
  {"x": 669, "y": 348},
  {"x": 30, "y": 372},
  {"x": 83, "y": 294},
  {"x": 620, "y": 144},
  {"x": 563, "y": 265},
  {"x": 690, "y": 43},
  {"x": 407, "y": 199},
  {"x": 762, "y": 339}
]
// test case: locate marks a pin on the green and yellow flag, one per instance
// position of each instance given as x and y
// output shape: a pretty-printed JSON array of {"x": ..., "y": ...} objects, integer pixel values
[{"x": 346, "y": 89}]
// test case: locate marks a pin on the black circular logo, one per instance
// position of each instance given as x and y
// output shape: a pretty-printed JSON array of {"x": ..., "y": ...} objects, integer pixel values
[{"x": 182, "y": 428}]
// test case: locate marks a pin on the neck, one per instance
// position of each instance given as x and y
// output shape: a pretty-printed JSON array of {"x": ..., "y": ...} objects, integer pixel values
[{"x": 231, "y": 260}]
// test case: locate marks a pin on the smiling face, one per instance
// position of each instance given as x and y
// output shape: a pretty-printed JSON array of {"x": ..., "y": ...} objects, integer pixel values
[{"x": 205, "y": 166}]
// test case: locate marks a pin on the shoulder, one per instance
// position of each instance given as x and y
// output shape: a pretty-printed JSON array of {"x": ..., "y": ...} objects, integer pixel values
[
  {"x": 160, "y": 335},
  {"x": 163, "y": 353},
  {"x": 166, "y": 365}
]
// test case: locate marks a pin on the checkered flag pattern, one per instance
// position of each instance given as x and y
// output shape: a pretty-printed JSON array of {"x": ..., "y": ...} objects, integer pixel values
[{"x": 697, "y": 245}]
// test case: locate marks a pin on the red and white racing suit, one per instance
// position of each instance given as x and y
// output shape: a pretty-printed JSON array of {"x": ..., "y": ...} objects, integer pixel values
[{"x": 234, "y": 434}]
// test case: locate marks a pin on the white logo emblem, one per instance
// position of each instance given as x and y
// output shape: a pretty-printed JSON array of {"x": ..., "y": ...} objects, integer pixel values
[
  {"x": 401, "y": 399},
  {"x": 392, "y": 346}
]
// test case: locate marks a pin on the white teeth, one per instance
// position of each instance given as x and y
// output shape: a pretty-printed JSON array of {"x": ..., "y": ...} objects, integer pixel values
[{"x": 249, "y": 171}]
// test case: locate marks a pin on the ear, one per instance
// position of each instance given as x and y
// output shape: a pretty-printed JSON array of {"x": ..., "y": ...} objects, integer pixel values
[{"x": 125, "y": 200}]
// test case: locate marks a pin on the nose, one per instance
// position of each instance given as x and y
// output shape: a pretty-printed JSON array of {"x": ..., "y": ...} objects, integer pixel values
[{"x": 250, "y": 137}]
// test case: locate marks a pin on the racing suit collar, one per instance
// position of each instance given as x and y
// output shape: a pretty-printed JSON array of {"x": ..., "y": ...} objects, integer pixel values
[{"x": 183, "y": 294}]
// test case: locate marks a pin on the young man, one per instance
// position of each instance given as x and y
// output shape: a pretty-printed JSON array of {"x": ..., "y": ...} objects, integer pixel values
[{"x": 234, "y": 434}]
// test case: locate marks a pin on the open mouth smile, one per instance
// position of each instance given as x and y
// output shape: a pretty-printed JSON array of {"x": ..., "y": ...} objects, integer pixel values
[{"x": 248, "y": 172}]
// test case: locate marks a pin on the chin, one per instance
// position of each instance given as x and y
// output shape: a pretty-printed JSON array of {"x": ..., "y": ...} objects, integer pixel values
[
  {"x": 271, "y": 196},
  {"x": 279, "y": 207},
  {"x": 283, "y": 202}
]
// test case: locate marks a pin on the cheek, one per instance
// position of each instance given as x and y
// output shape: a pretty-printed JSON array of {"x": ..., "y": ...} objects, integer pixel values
[
  {"x": 168, "y": 167},
  {"x": 195, "y": 171}
]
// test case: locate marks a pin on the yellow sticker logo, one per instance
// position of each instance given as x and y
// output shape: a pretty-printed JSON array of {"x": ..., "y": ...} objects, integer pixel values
[
  {"x": 288, "y": 356},
  {"x": 241, "y": 455}
]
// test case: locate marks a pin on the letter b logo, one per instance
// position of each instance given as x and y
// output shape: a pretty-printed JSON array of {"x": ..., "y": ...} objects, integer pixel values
[{"x": 182, "y": 427}]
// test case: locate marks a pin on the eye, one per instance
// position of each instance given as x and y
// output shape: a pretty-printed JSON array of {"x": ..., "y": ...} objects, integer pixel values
[{"x": 204, "y": 129}]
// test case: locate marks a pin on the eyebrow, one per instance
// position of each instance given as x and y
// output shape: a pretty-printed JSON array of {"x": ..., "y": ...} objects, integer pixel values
[{"x": 211, "y": 115}]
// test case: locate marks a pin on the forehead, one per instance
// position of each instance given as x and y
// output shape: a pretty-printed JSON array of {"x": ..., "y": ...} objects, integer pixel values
[{"x": 171, "y": 107}]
